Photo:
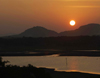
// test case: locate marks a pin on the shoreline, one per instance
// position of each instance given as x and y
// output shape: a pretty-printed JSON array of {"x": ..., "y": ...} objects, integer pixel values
[
  {"x": 45, "y": 53},
  {"x": 72, "y": 74},
  {"x": 69, "y": 71}
]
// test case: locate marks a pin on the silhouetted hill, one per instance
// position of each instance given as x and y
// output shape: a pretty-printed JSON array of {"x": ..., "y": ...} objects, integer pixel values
[
  {"x": 90, "y": 29},
  {"x": 37, "y": 31}
]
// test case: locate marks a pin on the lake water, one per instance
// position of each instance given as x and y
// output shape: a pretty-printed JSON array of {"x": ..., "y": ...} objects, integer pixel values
[{"x": 60, "y": 63}]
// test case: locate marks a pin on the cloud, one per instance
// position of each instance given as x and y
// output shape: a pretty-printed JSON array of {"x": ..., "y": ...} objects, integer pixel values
[{"x": 84, "y": 6}]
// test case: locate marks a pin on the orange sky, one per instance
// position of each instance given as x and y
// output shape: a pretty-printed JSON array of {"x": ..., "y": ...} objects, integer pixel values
[{"x": 18, "y": 15}]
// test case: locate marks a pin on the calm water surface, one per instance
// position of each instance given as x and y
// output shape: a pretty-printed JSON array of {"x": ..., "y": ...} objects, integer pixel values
[{"x": 60, "y": 63}]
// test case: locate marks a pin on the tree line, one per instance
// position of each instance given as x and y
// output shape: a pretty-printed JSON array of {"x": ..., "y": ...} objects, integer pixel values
[{"x": 59, "y": 43}]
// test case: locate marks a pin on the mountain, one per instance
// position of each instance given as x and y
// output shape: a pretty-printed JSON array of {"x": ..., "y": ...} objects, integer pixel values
[
  {"x": 90, "y": 29},
  {"x": 37, "y": 31}
]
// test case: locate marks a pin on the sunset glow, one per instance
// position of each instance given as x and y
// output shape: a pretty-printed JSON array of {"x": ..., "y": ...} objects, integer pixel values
[{"x": 18, "y": 15}]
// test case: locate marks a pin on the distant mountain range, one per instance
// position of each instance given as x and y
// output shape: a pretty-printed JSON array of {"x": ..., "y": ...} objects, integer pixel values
[{"x": 38, "y": 31}]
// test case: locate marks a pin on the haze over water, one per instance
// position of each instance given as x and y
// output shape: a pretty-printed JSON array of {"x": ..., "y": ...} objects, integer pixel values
[{"x": 60, "y": 63}]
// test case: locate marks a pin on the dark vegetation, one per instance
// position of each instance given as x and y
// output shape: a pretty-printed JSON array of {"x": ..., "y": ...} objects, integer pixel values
[
  {"x": 14, "y": 71},
  {"x": 55, "y": 43},
  {"x": 50, "y": 45},
  {"x": 23, "y": 72}
]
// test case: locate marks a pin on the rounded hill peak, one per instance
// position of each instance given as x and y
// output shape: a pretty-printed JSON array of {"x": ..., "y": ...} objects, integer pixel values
[
  {"x": 38, "y": 28},
  {"x": 38, "y": 31}
]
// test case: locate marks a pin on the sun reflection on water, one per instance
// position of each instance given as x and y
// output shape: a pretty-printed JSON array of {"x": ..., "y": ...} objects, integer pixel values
[{"x": 73, "y": 64}]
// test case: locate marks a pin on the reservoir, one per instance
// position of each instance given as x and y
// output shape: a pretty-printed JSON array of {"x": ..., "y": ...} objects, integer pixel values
[{"x": 59, "y": 63}]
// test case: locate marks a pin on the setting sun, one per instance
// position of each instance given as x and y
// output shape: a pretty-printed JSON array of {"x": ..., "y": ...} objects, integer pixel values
[{"x": 72, "y": 22}]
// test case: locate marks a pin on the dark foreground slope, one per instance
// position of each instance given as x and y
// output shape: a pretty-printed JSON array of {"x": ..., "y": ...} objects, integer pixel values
[
  {"x": 23, "y": 72},
  {"x": 33, "y": 72}
]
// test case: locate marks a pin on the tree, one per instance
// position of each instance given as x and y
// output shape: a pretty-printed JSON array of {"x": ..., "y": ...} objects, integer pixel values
[{"x": 2, "y": 63}]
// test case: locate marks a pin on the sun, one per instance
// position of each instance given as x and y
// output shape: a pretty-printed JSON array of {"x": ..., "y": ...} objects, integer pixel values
[{"x": 72, "y": 22}]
